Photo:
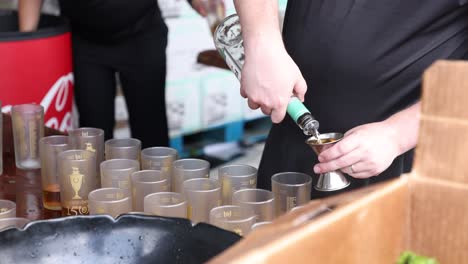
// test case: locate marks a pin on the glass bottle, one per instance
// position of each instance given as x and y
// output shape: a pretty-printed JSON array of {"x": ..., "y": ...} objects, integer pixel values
[{"x": 229, "y": 43}]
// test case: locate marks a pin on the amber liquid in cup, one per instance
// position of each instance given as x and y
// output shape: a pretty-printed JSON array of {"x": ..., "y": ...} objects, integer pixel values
[
  {"x": 51, "y": 197},
  {"x": 324, "y": 140}
]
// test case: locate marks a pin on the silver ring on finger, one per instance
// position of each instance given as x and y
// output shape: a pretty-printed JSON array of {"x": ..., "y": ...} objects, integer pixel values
[{"x": 351, "y": 169}]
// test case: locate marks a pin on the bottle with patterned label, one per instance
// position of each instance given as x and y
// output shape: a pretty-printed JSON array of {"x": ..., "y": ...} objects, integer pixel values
[{"x": 229, "y": 43}]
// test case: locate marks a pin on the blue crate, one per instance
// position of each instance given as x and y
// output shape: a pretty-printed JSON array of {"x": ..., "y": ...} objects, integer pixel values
[{"x": 230, "y": 132}]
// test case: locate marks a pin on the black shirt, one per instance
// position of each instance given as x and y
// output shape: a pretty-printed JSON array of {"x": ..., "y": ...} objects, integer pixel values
[
  {"x": 111, "y": 20},
  {"x": 363, "y": 62}
]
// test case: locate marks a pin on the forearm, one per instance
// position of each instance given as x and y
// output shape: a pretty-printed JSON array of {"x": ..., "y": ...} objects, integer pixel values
[
  {"x": 29, "y": 14},
  {"x": 260, "y": 23},
  {"x": 405, "y": 127}
]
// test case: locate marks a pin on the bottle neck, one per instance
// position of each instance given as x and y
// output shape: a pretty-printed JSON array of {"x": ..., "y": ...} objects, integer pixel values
[{"x": 308, "y": 124}]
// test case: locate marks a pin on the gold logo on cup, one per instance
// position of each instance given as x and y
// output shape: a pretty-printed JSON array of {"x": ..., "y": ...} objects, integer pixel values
[
  {"x": 89, "y": 147},
  {"x": 238, "y": 231},
  {"x": 123, "y": 184},
  {"x": 76, "y": 179},
  {"x": 227, "y": 214}
]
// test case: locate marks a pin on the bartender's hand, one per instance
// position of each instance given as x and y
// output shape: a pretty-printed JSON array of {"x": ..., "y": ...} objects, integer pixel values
[
  {"x": 368, "y": 150},
  {"x": 270, "y": 77},
  {"x": 198, "y": 6},
  {"x": 365, "y": 151}
]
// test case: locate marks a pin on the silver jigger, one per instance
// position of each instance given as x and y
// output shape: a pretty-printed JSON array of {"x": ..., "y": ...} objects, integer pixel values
[{"x": 334, "y": 180}]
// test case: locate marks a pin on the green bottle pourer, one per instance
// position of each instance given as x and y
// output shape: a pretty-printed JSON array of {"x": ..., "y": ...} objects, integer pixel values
[{"x": 303, "y": 118}]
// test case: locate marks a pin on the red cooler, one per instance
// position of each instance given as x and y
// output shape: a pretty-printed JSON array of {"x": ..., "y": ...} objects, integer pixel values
[{"x": 36, "y": 67}]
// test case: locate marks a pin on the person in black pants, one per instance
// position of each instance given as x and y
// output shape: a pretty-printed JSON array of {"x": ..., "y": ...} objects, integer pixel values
[{"x": 109, "y": 37}]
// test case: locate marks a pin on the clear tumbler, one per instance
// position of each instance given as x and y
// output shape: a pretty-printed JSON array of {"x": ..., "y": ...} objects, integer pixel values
[{"x": 28, "y": 128}]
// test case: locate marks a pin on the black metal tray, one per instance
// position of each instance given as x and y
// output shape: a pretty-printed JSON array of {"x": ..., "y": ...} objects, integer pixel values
[{"x": 101, "y": 239}]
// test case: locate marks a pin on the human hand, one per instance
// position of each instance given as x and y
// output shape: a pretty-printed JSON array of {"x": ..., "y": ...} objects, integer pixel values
[
  {"x": 269, "y": 79},
  {"x": 28, "y": 15},
  {"x": 365, "y": 151},
  {"x": 198, "y": 6},
  {"x": 203, "y": 7}
]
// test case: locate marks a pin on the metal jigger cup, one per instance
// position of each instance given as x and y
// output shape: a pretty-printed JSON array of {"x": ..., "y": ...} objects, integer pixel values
[{"x": 334, "y": 180}]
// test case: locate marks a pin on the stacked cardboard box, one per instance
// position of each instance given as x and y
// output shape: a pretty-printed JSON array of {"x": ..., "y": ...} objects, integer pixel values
[
  {"x": 221, "y": 101},
  {"x": 183, "y": 105},
  {"x": 198, "y": 97},
  {"x": 425, "y": 211}
]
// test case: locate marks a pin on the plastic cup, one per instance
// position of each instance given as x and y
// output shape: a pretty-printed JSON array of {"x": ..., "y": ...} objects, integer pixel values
[
  {"x": 291, "y": 189},
  {"x": 233, "y": 218},
  {"x": 50, "y": 148},
  {"x": 202, "y": 195},
  {"x": 116, "y": 173},
  {"x": 125, "y": 148},
  {"x": 159, "y": 158},
  {"x": 91, "y": 139},
  {"x": 234, "y": 178},
  {"x": 7, "y": 209},
  {"x": 167, "y": 204},
  {"x": 110, "y": 201},
  {"x": 261, "y": 202},
  {"x": 77, "y": 174},
  {"x": 186, "y": 169},
  {"x": 17, "y": 222},
  {"x": 28, "y": 128},
  {"x": 259, "y": 225},
  {"x": 147, "y": 182}
]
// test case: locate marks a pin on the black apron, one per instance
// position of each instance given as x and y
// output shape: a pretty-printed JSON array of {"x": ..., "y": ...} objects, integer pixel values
[
  {"x": 362, "y": 61},
  {"x": 111, "y": 21}
]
